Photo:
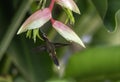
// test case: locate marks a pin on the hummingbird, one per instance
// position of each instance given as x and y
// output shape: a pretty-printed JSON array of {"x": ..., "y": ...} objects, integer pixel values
[{"x": 50, "y": 48}]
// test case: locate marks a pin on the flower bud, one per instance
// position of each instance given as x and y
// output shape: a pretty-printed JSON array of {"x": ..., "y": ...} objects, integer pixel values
[
  {"x": 67, "y": 33},
  {"x": 70, "y": 4},
  {"x": 36, "y": 20}
]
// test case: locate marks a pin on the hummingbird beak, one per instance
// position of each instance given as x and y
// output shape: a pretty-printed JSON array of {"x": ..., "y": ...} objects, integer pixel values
[{"x": 55, "y": 59}]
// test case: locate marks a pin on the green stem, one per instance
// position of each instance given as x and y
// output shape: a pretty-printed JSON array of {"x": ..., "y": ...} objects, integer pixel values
[
  {"x": 14, "y": 26},
  {"x": 6, "y": 66}
]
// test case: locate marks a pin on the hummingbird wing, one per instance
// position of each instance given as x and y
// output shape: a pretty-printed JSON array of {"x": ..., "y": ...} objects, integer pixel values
[
  {"x": 39, "y": 48},
  {"x": 57, "y": 45}
]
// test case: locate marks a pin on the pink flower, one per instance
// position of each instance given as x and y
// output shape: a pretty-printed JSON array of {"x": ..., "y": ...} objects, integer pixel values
[
  {"x": 40, "y": 17},
  {"x": 70, "y": 4},
  {"x": 36, "y": 20},
  {"x": 67, "y": 33}
]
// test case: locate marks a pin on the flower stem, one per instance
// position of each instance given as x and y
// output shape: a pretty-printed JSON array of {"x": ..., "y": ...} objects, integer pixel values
[
  {"x": 51, "y": 8},
  {"x": 52, "y": 20},
  {"x": 52, "y": 5}
]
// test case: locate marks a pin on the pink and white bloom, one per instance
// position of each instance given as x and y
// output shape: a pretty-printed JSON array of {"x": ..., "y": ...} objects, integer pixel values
[
  {"x": 40, "y": 17},
  {"x": 67, "y": 33},
  {"x": 36, "y": 20},
  {"x": 70, "y": 4}
]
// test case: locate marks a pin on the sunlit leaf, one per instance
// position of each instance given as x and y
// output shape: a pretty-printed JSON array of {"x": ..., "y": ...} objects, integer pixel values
[
  {"x": 5, "y": 78},
  {"x": 97, "y": 63}
]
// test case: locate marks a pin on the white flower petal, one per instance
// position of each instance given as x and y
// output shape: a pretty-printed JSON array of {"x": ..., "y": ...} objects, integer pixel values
[
  {"x": 67, "y": 33},
  {"x": 70, "y": 4},
  {"x": 36, "y": 20}
]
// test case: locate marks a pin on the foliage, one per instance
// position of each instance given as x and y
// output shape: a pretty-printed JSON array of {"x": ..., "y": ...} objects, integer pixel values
[{"x": 98, "y": 26}]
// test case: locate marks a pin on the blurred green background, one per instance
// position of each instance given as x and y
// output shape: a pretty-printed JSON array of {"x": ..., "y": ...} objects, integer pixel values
[{"x": 98, "y": 26}]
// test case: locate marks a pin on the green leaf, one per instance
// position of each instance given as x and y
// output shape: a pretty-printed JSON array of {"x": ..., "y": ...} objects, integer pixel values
[
  {"x": 101, "y": 6},
  {"x": 6, "y": 78},
  {"x": 19, "y": 79},
  {"x": 96, "y": 63},
  {"x": 109, "y": 17},
  {"x": 11, "y": 31},
  {"x": 29, "y": 34},
  {"x": 35, "y": 67},
  {"x": 70, "y": 16},
  {"x": 113, "y": 7},
  {"x": 117, "y": 18},
  {"x": 36, "y": 34},
  {"x": 60, "y": 80}
]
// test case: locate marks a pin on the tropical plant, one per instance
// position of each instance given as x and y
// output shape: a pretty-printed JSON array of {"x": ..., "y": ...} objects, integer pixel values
[{"x": 91, "y": 22}]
